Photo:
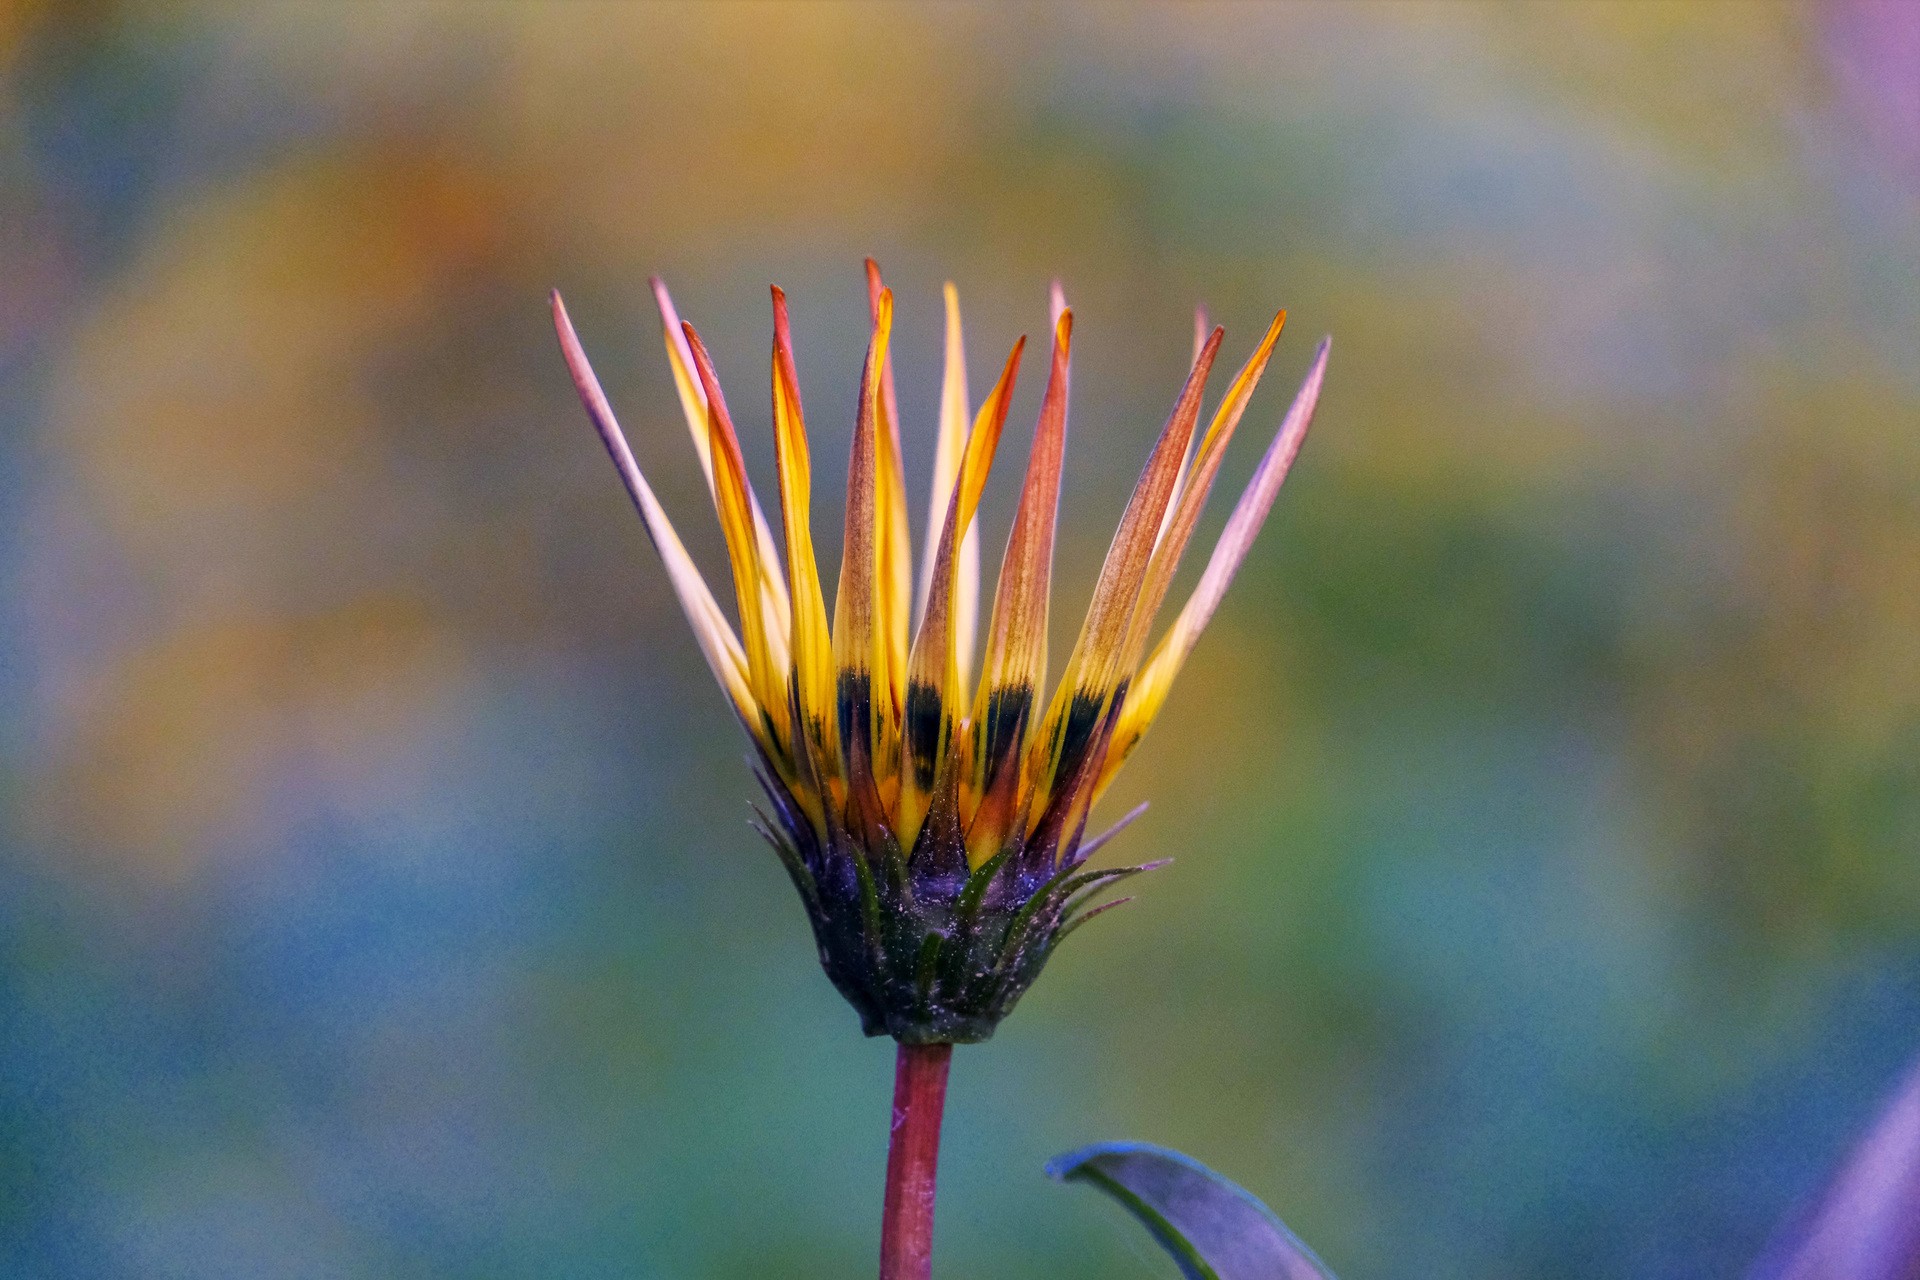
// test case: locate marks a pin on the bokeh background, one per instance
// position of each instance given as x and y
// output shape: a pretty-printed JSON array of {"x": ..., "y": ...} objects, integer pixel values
[{"x": 376, "y": 898}]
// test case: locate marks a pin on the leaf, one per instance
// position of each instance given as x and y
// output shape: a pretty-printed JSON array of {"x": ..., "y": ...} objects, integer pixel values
[
  {"x": 1866, "y": 1223},
  {"x": 1214, "y": 1229}
]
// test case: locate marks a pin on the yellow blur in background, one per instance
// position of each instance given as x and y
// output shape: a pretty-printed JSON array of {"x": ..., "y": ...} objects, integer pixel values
[{"x": 376, "y": 897}]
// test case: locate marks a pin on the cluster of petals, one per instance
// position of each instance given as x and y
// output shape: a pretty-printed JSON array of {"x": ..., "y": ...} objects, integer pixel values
[{"x": 872, "y": 719}]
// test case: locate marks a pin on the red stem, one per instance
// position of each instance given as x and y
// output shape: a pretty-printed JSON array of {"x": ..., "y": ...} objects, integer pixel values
[{"x": 913, "y": 1157}]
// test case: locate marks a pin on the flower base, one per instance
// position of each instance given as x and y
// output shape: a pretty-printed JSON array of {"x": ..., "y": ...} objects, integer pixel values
[{"x": 926, "y": 949}]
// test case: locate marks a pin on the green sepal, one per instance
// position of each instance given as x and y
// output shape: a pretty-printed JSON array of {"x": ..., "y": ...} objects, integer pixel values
[
  {"x": 927, "y": 949},
  {"x": 789, "y": 857},
  {"x": 1075, "y": 921}
]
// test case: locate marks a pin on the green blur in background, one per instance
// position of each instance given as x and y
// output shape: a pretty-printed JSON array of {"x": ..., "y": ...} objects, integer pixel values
[{"x": 376, "y": 896}]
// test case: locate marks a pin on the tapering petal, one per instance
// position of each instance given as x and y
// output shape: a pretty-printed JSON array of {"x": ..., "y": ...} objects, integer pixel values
[
  {"x": 859, "y": 650},
  {"x": 763, "y": 637},
  {"x": 1184, "y": 513},
  {"x": 1149, "y": 690},
  {"x": 693, "y": 401},
  {"x": 954, "y": 413},
  {"x": 693, "y": 404},
  {"x": 717, "y": 643},
  {"x": 811, "y": 644},
  {"x": 934, "y": 678},
  {"x": 1015, "y": 660},
  {"x": 1093, "y": 671},
  {"x": 1201, "y": 329},
  {"x": 893, "y": 560}
]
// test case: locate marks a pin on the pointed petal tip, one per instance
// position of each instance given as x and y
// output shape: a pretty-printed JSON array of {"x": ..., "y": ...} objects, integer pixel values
[
  {"x": 570, "y": 344},
  {"x": 782, "y": 331},
  {"x": 1317, "y": 368}
]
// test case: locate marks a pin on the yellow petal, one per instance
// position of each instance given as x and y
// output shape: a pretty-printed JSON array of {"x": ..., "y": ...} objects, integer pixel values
[
  {"x": 893, "y": 564},
  {"x": 946, "y": 470},
  {"x": 693, "y": 404},
  {"x": 859, "y": 650},
  {"x": 1015, "y": 659},
  {"x": 811, "y": 645},
  {"x": 1071, "y": 729},
  {"x": 1149, "y": 691},
  {"x": 934, "y": 679},
  {"x": 717, "y": 643},
  {"x": 765, "y": 639},
  {"x": 1200, "y": 331},
  {"x": 1184, "y": 514}
]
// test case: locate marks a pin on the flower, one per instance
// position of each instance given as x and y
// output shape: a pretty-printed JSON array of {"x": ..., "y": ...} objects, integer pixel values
[{"x": 934, "y": 827}]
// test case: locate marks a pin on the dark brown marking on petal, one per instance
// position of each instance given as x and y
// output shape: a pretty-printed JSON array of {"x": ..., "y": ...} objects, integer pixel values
[
  {"x": 1076, "y": 731},
  {"x": 1063, "y": 817},
  {"x": 866, "y": 818},
  {"x": 1008, "y": 709},
  {"x": 854, "y": 700},
  {"x": 923, "y": 726}
]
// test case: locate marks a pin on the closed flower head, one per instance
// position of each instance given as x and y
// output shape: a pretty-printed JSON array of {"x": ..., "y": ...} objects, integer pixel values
[{"x": 927, "y": 795}]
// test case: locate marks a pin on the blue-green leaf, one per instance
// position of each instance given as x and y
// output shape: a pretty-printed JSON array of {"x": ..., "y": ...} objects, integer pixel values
[{"x": 1214, "y": 1229}]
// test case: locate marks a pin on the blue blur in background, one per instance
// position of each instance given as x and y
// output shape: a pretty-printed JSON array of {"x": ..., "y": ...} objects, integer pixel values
[{"x": 376, "y": 897}]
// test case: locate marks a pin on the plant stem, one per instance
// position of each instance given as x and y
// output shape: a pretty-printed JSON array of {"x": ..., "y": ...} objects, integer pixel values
[{"x": 913, "y": 1158}]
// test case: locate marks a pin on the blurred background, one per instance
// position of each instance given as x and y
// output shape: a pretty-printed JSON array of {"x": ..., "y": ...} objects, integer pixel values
[{"x": 376, "y": 897}]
